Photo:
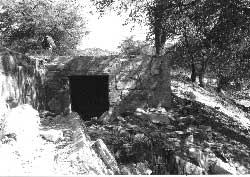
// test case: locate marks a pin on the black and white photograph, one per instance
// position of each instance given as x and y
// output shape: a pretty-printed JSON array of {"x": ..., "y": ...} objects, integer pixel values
[{"x": 124, "y": 87}]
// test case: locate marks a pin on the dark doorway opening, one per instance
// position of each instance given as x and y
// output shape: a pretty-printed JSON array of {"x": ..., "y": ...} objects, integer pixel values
[{"x": 89, "y": 95}]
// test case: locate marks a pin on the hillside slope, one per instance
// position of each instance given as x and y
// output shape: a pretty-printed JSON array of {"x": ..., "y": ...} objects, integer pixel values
[
  {"x": 204, "y": 133},
  {"x": 207, "y": 130}
]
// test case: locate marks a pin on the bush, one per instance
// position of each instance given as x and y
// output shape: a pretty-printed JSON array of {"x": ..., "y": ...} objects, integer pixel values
[
  {"x": 131, "y": 47},
  {"x": 25, "y": 23}
]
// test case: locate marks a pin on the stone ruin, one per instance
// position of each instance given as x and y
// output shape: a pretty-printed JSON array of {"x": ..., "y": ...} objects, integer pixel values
[
  {"x": 21, "y": 80},
  {"x": 92, "y": 85},
  {"x": 85, "y": 84}
]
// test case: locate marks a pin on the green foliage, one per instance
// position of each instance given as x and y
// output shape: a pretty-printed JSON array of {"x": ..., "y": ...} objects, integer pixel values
[{"x": 24, "y": 23}]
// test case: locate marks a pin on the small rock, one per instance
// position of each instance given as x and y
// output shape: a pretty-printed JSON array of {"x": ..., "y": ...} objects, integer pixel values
[
  {"x": 181, "y": 124},
  {"x": 123, "y": 132},
  {"x": 139, "y": 137},
  {"x": 121, "y": 119},
  {"x": 125, "y": 170},
  {"x": 179, "y": 132},
  {"x": 93, "y": 118},
  {"x": 135, "y": 169},
  {"x": 46, "y": 114},
  {"x": 52, "y": 135},
  {"x": 159, "y": 118},
  {"x": 88, "y": 123},
  {"x": 205, "y": 128},
  {"x": 190, "y": 129},
  {"x": 140, "y": 110},
  {"x": 105, "y": 117},
  {"x": 109, "y": 127},
  {"x": 187, "y": 168},
  {"x": 132, "y": 126},
  {"x": 143, "y": 169}
]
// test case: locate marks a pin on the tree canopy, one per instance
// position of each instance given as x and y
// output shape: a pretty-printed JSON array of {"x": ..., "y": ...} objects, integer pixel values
[
  {"x": 24, "y": 23},
  {"x": 212, "y": 33}
]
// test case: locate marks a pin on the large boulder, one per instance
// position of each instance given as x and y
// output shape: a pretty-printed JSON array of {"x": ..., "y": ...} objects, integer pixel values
[
  {"x": 23, "y": 121},
  {"x": 79, "y": 157}
]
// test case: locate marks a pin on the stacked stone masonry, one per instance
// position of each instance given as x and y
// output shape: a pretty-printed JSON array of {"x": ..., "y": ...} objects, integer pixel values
[
  {"x": 21, "y": 79},
  {"x": 127, "y": 80},
  {"x": 25, "y": 81}
]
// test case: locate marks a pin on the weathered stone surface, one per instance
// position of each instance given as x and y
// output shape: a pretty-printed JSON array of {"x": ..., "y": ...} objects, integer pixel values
[
  {"x": 79, "y": 155},
  {"x": 125, "y": 75},
  {"x": 161, "y": 97},
  {"x": 221, "y": 167},
  {"x": 114, "y": 96},
  {"x": 135, "y": 169},
  {"x": 108, "y": 159},
  {"x": 52, "y": 135},
  {"x": 24, "y": 121},
  {"x": 209, "y": 162},
  {"x": 21, "y": 79},
  {"x": 159, "y": 118},
  {"x": 186, "y": 168},
  {"x": 125, "y": 85},
  {"x": 106, "y": 116}
]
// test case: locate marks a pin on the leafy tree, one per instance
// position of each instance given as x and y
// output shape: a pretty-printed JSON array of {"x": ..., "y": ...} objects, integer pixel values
[
  {"x": 152, "y": 13},
  {"x": 214, "y": 34},
  {"x": 227, "y": 32},
  {"x": 23, "y": 24},
  {"x": 147, "y": 12}
]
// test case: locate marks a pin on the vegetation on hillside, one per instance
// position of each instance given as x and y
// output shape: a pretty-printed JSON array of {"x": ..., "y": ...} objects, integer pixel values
[
  {"x": 23, "y": 25},
  {"x": 214, "y": 35},
  {"x": 189, "y": 129}
]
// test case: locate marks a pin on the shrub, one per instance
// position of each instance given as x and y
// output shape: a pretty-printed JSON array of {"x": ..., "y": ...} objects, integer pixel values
[{"x": 131, "y": 47}]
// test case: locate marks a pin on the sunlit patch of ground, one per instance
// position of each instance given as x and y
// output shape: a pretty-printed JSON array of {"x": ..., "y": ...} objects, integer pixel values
[
  {"x": 181, "y": 89},
  {"x": 57, "y": 151},
  {"x": 18, "y": 162}
]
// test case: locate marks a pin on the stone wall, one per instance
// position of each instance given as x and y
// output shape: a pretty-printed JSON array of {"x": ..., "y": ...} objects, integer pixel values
[
  {"x": 129, "y": 80},
  {"x": 21, "y": 79}
]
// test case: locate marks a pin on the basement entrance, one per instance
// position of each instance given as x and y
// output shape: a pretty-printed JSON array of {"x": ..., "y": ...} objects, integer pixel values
[{"x": 89, "y": 95}]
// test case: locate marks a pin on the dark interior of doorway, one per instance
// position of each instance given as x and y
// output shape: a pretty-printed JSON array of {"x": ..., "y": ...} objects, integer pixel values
[{"x": 89, "y": 95}]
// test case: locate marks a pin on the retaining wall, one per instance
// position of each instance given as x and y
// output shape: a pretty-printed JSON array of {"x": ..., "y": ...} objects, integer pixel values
[{"x": 21, "y": 80}]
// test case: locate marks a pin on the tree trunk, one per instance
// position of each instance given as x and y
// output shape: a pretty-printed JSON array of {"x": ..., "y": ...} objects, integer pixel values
[
  {"x": 193, "y": 73},
  {"x": 200, "y": 70},
  {"x": 223, "y": 82},
  {"x": 162, "y": 92},
  {"x": 165, "y": 89},
  {"x": 201, "y": 84},
  {"x": 160, "y": 39}
]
